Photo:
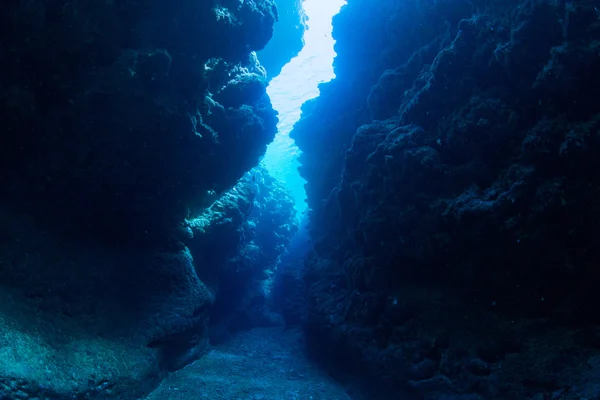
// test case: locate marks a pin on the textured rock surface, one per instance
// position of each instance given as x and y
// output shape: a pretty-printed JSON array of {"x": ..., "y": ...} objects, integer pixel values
[
  {"x": 454, "y": 215},
  {"x": 96, "y": 335},
  {"x": 242, "y": 237},
  {"x": 79, "y": 320},
  {"x": 120, "y": 118},
  {"x": 287, "y": 37},
  {"x": 262, "y": 363}
]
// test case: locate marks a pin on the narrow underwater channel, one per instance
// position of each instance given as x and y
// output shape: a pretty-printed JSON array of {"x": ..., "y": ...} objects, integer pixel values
[{"x": 297, "y": 83}]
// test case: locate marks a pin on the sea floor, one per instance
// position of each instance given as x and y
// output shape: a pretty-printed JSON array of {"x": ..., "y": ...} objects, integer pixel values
[{"x": 260, "y": 364}]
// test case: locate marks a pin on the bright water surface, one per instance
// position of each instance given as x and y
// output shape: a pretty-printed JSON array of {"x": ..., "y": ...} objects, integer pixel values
[{"x": 296, "y": 84}]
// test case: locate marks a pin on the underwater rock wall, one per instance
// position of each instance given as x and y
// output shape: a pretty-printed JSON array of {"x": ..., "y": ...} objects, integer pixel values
[
  {"x": 120, "y": 119},
  {"x": 240, "y": 239},
  {"x": 452, "y": 171},
  {"x": 287, "y": 38}
]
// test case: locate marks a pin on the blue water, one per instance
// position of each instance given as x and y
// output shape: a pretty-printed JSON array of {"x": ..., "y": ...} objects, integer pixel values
[{"x": 297, "y": 83}]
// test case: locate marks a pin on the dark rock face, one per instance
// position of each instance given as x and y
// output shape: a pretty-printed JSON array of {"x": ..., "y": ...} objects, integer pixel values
[
  {"x": 455, "y": 256},
  {"x": 290, "y": 293},
  {"x": 107, "y": 104},
  {"x": 287, "y": 37},
  {"x": 120, "y": 119},
  {"x": 237, "y": 243}
]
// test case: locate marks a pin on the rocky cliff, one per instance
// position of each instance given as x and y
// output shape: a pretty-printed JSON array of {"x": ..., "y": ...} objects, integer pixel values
[
  {"x": 120, "y": 120},
  {"x": 453, "y": 219}
]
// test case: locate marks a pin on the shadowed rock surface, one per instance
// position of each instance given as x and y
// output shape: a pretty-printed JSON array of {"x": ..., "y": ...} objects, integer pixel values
[
  {"x": 452, "y": 170},
  {"x": 106, "y": 332},
  {"x": 258, "y": 364},
  {"x": 120, "y": 120},
  {"x": 118, "y": 116},
  {"x": 240, "y": 239}
]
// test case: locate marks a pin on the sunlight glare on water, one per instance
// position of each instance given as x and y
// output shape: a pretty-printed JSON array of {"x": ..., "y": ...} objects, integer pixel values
[{"x": 296, "y": 84}]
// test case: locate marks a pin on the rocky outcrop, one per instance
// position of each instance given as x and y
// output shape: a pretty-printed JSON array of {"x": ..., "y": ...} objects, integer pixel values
[
  {"x": 287, "y": 38},
  {"x": 120, "y": 119},
  {"x": 120, "y": 107},
  {"x": 453, "y": 216},
  {"x": 254, "y": 225}
]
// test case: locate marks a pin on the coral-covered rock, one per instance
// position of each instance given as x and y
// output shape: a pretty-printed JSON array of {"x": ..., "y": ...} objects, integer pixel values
[
  {"x": 452, "y": 181},
  {"x": 237, "y": 243},
  {"x": 113, "y": 133},
  {"x": 113, "y": 100}
]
